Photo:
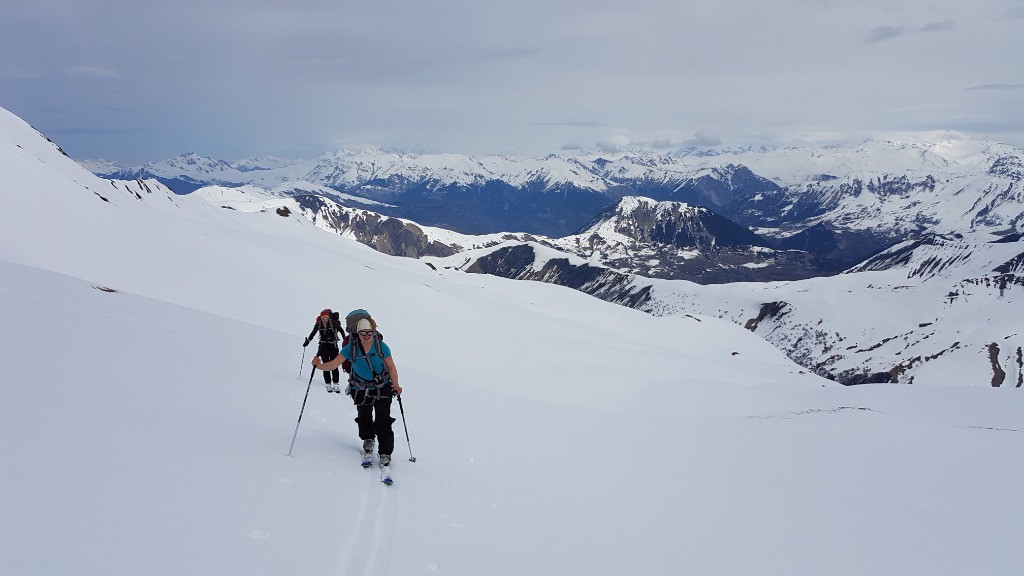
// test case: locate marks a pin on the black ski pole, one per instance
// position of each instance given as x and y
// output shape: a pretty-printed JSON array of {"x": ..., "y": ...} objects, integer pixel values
[
  {"x": 301, "y": 362},
  {"x": 407, "y": 443},
  {"x": 303, "y": 409}
]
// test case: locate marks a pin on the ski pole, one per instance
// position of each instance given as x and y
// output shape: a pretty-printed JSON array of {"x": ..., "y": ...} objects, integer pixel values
[
  {"x": 303, "y": 409},
  {"x": 301, "y": 362},
  {"x": 407, "y": 443}
]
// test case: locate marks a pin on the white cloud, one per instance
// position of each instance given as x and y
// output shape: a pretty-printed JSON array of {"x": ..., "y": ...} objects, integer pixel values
[
  {"x": 703, "y": 138},
  {"x": 613, "y": 143}
]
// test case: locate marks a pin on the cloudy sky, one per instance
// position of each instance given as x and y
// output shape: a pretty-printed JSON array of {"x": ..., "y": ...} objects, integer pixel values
[{"x": 133, "y": 82}]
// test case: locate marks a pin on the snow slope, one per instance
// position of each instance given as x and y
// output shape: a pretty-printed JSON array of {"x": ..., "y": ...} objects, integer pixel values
[
  {"x": 152, "y": 378},
  {"x": 165, "y": 455},
  {"x": 940, "y": 311}
]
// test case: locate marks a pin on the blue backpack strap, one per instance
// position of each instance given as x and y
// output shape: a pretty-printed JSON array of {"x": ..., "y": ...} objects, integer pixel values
[{"x": 380, "y": 379}]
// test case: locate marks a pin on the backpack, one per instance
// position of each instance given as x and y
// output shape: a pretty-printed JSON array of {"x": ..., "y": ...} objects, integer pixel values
[
  {"x": 351, "y": 320},
  {"x": 354, "y": 317}
]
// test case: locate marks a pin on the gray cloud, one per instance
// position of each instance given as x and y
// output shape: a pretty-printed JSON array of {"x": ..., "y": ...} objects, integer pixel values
[
  {"x": 937, "y": 26},
  {"x": 996, "y": 87},
  {"x": 660, "y": 144},
  {"x": 572, "y": 123},
  {"x": 883, "y": 33},
  {"x": 238, "y": 78}
]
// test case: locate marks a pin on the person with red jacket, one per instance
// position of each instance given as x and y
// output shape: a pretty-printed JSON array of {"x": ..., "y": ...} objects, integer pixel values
[{"x": 331, "y": 333}]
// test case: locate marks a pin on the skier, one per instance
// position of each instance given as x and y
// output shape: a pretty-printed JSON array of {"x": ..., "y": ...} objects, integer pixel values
[
  {"x": 329, "y": 329},
  {"x": 372, "y": 383}
]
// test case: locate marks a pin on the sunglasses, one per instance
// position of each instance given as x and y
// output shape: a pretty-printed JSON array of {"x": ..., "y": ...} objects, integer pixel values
[{"x": 366, "y": 332}]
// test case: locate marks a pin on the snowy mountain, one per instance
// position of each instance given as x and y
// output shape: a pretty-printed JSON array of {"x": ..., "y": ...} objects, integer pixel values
[
  {"x": 640, "y": 239},
  {"x": 853, "y": 202},
  {"x": 938, "y": 310},
  {"x": 897, "y": 205},
  {"x": 183, "y": 174},
  {"x": 152, "y": 375},
  {"x": 674, "y": 240},
  {"x": 670, "y": 240},
  {"x": 842, "y": 203},
  {"x": 654, "y": 239}
]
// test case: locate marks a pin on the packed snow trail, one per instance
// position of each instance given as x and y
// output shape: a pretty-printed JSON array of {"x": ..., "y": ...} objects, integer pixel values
[{"x": 367, "y": 550}]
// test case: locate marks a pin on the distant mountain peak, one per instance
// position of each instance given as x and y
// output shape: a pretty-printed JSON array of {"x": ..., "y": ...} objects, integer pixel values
[{"x": 1010, "y": 167}]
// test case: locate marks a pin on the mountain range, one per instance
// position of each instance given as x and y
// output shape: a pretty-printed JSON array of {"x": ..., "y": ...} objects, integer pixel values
[
  {"x": 941, "y": 309},
  {"x": 933, "y": 226},
  {"x": 838, "y": 204}
]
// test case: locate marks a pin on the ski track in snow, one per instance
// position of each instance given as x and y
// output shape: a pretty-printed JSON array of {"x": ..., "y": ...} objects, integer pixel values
[
  {"x": 367, "y": 551},
  {"x": 383, "y": 530}
]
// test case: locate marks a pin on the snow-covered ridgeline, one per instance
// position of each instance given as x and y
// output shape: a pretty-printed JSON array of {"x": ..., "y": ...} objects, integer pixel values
[{"x": 950, "y": 157}]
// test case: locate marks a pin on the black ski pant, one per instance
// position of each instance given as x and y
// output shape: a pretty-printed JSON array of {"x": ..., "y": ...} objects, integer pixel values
[
  {"x": 373, "y": 416},
  {"x": 328, "y": 351}
]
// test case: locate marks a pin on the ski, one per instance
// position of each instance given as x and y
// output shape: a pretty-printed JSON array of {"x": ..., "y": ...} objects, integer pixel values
[
  {"x": 367, "y": 460},
  {"x": 385, "y": 475}
]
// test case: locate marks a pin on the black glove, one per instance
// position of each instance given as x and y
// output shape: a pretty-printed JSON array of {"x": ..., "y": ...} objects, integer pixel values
[{"x": 305, "y": 342}]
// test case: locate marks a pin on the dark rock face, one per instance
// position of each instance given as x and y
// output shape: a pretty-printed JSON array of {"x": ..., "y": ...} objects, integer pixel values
[
  {"x": 518, "y": 262},
  {"x": 388, "y": 235},
  {"x": 1010, "y": 167},
  {"x": 719, "y": 187},
  {"x": 768, "y": 310},
  {"x": 677, "y": 241}
]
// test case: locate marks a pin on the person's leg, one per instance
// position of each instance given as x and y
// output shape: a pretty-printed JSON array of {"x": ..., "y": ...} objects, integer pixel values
[
  {"x": 364, "y": 422},
  {"x": 324, "y": 352},
  {"x": 335, "y": 374},
  {"x": 382, "y": 422}
]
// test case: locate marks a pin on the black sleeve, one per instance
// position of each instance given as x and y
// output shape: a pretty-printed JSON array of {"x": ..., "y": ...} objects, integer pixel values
[{"x": 315, "y": 328}]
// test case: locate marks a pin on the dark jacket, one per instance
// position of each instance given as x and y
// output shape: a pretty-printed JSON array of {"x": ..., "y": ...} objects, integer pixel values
[{"x": 329, "y": 334}]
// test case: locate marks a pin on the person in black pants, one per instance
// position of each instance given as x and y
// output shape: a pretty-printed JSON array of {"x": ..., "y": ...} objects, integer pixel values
[
  {"x": 372, "y": 382},
  {"x": 330, "y": 332}
]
